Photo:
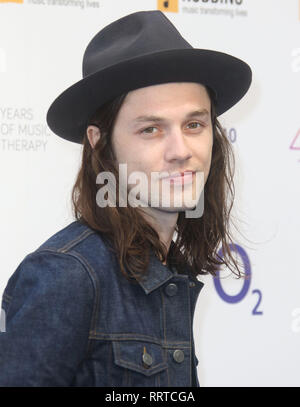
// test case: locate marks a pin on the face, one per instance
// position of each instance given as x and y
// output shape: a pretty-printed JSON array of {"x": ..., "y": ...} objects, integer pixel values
[{"x": 166, "y": 129}]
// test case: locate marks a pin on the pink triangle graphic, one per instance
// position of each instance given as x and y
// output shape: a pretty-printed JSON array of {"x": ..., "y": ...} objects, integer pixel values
[{"x": 295, "y": 145}]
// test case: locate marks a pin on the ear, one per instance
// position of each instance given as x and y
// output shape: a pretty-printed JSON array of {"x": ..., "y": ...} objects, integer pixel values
[{"x": 93, "y": 134}]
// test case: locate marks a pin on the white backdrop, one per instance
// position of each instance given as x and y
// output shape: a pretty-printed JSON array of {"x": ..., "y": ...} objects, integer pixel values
[{"x": 250, "y": 342}]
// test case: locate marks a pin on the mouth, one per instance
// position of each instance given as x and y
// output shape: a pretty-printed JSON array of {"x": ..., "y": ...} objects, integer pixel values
[{"x": 184, "y": 177}]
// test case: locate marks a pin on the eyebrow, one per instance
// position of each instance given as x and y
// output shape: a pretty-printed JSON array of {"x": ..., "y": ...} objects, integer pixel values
[{"x": 196, "y": 113}]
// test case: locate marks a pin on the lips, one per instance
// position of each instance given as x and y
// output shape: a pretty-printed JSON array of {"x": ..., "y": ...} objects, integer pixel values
[
  {"x": 187, "y": 172},
  {"x": 180, "y": 174},
  {"x": 185, "y": 177}
]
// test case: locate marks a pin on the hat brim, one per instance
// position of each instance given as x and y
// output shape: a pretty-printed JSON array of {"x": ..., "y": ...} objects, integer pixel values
[{"x": 227, "y": 75}]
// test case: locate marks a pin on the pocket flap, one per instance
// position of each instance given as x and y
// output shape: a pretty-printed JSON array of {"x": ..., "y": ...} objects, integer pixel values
[{"x": 129, "y": 354}]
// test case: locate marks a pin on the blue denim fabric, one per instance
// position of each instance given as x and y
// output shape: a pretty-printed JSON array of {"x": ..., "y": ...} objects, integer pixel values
[{"x": 72, "y": 319}]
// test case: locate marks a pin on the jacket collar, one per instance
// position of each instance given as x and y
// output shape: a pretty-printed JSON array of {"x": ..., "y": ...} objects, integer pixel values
[{"x": 157, "y": 274}]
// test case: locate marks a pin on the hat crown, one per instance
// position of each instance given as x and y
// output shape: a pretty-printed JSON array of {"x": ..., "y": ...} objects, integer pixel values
[{"x": 129, "y": 37}]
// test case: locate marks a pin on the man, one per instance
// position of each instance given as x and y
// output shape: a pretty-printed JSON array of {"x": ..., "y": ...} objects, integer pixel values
[
  {"x": 185, "y": 110},
  {"x": 109, "y": 300}
]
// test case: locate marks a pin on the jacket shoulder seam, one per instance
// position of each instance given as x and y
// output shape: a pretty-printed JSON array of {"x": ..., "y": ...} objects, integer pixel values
[{"x": 68, "y": 246}]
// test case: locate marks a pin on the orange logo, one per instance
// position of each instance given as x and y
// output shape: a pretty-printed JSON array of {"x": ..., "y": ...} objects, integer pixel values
[
  {"x": 168, "y": 5},
  {"x": 11, "y": 1}
]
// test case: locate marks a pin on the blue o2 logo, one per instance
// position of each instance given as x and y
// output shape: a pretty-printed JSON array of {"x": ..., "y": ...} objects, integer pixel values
[
  {"x": 231, "y": 134},
  {"x": 233, "y": 299}
]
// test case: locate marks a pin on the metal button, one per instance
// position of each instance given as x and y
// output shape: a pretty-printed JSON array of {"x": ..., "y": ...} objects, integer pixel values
[
  {"x": 147, "y": 359},
  {"x": 178, "y": 356},
  {"x": 171, "y": 289},
  {"x": 192, "y": 284}
]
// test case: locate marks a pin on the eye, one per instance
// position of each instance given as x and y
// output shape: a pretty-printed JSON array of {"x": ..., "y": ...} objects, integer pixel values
[
  {"x": 148, "y": 128},
  {"x": 201, "y": 125}
]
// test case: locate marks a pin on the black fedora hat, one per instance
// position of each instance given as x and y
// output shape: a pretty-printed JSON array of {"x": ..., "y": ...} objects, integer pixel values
[{"x": 143, "y": 49}]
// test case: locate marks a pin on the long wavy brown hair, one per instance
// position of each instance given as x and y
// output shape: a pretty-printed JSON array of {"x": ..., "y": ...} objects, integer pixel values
[{"x": 198, "y": 240}]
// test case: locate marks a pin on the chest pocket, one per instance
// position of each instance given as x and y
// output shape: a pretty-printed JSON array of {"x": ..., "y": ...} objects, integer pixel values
[{"x": 144, "y": 362}]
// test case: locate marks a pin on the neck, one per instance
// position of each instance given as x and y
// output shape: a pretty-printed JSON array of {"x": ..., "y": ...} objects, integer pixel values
[{"x": 163, "y": 222}]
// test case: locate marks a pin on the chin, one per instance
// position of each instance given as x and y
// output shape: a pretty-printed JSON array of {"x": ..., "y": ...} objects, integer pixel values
[{"x": 174, "y": 209}]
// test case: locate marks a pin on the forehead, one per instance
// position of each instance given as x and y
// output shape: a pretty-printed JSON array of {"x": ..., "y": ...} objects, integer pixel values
[{"x": 157, "y": 98}]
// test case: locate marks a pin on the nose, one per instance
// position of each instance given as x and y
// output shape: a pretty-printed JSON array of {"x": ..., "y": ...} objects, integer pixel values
[{"x": 177, "y": 147}]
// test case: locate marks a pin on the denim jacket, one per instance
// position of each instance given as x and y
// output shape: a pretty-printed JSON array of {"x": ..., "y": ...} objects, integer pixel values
[{"x": 73, "y": 319}]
